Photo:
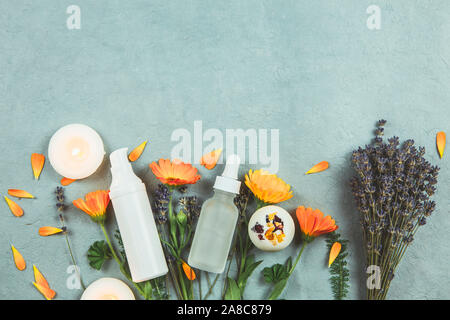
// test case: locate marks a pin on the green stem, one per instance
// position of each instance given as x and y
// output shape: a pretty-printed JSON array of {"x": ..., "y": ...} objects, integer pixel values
[
  {"x": 73, "y": 261},
  {"x": 298, "y": 257},
  {"x": 119, "y": 262}
]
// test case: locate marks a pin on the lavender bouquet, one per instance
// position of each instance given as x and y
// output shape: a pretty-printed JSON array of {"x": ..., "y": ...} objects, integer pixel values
[{"x": 392, "y": 190}]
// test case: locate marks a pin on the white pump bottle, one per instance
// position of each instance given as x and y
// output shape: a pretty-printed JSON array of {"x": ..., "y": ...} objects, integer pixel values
[
  {"x": 135, "y": 220},
  {"x": 217, "y": 222}
]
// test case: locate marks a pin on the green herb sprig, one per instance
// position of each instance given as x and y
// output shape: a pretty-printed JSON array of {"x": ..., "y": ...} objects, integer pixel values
[{"x": 339, "y": 273}]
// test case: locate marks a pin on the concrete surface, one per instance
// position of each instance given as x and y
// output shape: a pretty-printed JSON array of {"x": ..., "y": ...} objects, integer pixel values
[{"x": 139, "y": 70}]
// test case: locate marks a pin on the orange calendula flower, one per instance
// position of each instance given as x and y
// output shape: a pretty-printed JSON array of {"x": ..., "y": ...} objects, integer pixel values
[
  {"x": 188, "y": 271},
  {"x": 37, "y": 163},
  {"x": 18, "y": 259},
  {"x": 48, "y": 231},
  {"x": 321, "y": 166},
  {"x": 136, "y": 153},
  {"x": 440, "y": 143},
  {"x": 313, "y": 223},
  {"x": 20, "y": 193},
  {"x": 14, "y": 207},
  {"x": 210, "y": 159},
  {"x": 94, "y": 205},
  {"x": 66, "y": 181},
  {"x": 174, "y": 173},
  {"x": 42, "y": 285},
  {"x": 267, "y": 187},
  {"x": 334, "y": 252}
]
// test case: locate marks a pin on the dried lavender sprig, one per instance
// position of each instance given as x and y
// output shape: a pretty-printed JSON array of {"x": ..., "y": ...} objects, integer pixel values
[
  {"x": 61, "y": 207},
  {"x": 392, "y": 189}
]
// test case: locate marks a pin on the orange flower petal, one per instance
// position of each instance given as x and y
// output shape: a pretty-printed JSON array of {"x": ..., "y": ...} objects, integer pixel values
[
  {"x": 188, "y": 271},
  {"x": 48, "y": 231},
  {"x": 136, "y": 153},
  {"x": 174, "y": 173},
  {"x": 334, "y": 252},
  {"x": 313, "y": 223},
  {"x": 48, "y": 293},
  {"x": 440, "y": 142},
  {"x": 267, "y": 187},
  {"x": 210, "y": 159},
  {"x": 37, "y": 163},
  {"x": 321, "y": 166},
  {"x": 14, "y": 207},
  {"x": 66, "y": 181},
  {"x": 20, "y": 193},
  {"x": 39, "y": 278},
  {"x": 18, "y": 259}
]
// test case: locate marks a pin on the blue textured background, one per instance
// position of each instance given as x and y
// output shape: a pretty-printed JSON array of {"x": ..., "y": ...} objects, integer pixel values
[{"x": 140, "y": 69}]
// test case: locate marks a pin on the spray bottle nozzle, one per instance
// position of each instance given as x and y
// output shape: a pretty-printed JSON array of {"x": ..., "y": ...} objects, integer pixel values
[
  {"x": 119, "y": 158},
  {"x": 121, "y": 170}
]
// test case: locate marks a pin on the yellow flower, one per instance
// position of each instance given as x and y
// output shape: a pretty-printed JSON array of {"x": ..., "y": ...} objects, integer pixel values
[
  {"x": 94, "y": 205},
  {"x": 267, "y": 187}
]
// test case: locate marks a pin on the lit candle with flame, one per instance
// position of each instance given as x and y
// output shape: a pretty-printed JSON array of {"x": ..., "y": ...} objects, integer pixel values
[
  {"x": 76, "y": 151},
  {"x": 107, "y": 289}
]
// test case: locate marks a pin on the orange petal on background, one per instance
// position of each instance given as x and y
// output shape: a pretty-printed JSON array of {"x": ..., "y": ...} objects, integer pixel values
[
  {"x": 188, "y": 271},
  {"x": 210, "y": 159},
  {"x": 20, "y": 193},
  {"x": 136, "y": 153},
  {"x": 18, "y": 259},
  {"x": 48, "y": 293},
  {"x": 48, "y": 231},
  {"x": 14, "y": 207},
  {"x": 321, "y": 166},
  {"x": 334, "y": 252},
  {"x": 66, "y": 181},
  {"x": 39, "y": 278},
  {"x": 37, "y": 163},
  {"x": 440, "y": 143}
]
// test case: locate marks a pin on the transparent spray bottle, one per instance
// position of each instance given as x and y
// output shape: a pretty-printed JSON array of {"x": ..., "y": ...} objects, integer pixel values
[
  {"x": 217, "y": 222},
  {"x": 135, "y": 220}
]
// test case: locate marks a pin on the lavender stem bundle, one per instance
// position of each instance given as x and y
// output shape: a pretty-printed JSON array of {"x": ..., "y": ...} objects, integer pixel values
[{"x": 392, "y": 189}]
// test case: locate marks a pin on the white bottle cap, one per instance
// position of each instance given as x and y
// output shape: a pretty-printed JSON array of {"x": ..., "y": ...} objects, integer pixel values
[{"x": 228, "y": 181}]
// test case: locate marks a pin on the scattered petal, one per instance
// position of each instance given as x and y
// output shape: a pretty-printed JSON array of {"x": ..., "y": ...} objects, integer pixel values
[
  {"x": 20, "y": 193},
  {"x": 321, "y": 166},
  {"x": 334, "y": 252},
  {"x": 18, "y": 259},
  {"x": 37, "y": 163},
  {"x": 48, "y": 293},
  {"x": 188, "y": 271},
  {"x": 210, "y": 159},
  {"x": 440, "y": 142},
  {"x": 136, "y": 153},
  {"x": 66, "y": 181},
  {"x": 14, "y": 207},
  {"x": 48, "y": 231},
  {"x": 39, "y": 278}
]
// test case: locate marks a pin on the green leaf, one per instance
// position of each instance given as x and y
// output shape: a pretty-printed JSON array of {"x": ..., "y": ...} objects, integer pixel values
[
  {"x": 278, "y": 289},
  {"x": 249, "y": 267},
  {"x": 181, "y": 219},
  {"x": 233, "y": 292},
  {"x": 276, "y": 273},
  {"x": 98, "y": 253},
  {"x": 147, "y": 290}
]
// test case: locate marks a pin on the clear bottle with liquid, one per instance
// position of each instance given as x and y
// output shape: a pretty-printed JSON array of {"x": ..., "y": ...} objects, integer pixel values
[{"x": 217, "y": 222}]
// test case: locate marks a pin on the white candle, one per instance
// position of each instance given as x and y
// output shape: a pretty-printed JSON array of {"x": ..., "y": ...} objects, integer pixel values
[
  {"x": 108, "y": 289},
  {"x": 76, "y": 151}
]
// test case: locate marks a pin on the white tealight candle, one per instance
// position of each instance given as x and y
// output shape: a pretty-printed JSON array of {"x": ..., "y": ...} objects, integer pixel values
[
  {"x": 108, "y": 289},
  {"x": 76, "y": 151}
]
